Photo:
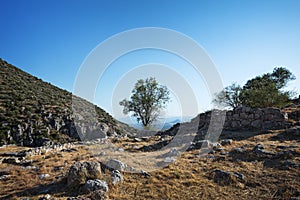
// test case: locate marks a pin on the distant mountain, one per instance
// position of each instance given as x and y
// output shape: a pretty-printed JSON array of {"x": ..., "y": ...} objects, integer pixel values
[
  {"x": 161, "y": 124},
  {"x": 33, "y": 112}
]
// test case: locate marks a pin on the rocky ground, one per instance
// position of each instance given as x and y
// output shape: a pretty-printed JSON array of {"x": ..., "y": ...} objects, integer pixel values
[{"x": 242, "y": 165}]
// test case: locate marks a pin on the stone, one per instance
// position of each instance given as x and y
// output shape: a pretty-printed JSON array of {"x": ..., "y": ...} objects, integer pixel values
[
  {"x": 256, "y": 124},
  {"x": 201, "y": 144},
  {"x": 259, "y": 150},
  {"x": 116, "y": 164},
  {"x": 169, "y": 160},
  {"x": 5, "y": 177},
  {"x": 245, "y": 123},
  {"x": 44, "y": 176},
  {"x": 235, "y": 124},
  {"x": 78, "y": 198},
  {"x": 80, "y": 172},
  {"x": 12, "y": 160},
  {"x": 226, "y": 142},
  {"x": 45, "y": 197},
  {"x": 116, "y": 177},
  {"x": 96, "y": 184}
]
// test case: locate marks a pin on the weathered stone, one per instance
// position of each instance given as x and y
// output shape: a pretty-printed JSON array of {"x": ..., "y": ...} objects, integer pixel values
[
  {"x": 96, "y": 184},
  {"x": 169, "y": 160},
  {"x": 44, "y": 176},
  {"x": 45, "y": 197},
  {"x": 82, "y": 171},
  {"x": 235, "y": 124},
  {"x": 12, "y": 160},
  {"x": 116, "y": 177},
  {"x": 116, "y": 164},
  {"x": 226, "y": 142},
  {"x": 245, "y": 123},
  {"x": 259, "y": 150},
  {"x": 256, "y": 124}
]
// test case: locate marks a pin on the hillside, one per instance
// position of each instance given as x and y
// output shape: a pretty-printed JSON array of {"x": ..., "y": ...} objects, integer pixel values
[
  {"x": 244, "y": 165},
  {"x": 33, "y": 112}
]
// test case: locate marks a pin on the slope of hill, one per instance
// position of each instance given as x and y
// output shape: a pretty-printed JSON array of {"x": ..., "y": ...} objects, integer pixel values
[{"x": 33, "y": 112}]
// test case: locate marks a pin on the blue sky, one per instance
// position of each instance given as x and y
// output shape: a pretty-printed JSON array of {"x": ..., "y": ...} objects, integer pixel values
[{"x": 50, "y": 38}]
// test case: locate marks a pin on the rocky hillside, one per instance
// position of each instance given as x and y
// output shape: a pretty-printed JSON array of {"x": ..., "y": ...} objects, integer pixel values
[{"x": 33, "y": 112}]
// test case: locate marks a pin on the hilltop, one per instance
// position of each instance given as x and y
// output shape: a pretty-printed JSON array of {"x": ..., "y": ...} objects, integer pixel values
[{"x": 34, "y": 112}]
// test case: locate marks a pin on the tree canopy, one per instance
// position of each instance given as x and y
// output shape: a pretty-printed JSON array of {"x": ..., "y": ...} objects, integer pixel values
[
  {"x": 147, "y": 100},
  {"x": 262, "y": 91}
]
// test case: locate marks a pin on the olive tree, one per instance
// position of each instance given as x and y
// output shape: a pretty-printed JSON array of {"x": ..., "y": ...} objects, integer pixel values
[{"x": 147, "y": 100}]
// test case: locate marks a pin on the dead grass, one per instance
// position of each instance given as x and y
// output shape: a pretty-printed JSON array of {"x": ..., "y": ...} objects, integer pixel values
[{"x": 189, "y": 177}]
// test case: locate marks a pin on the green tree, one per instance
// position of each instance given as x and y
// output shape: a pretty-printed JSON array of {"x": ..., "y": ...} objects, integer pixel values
[
  {"x": 267, "y": 90},
  {"x": 262, "y": 91},
  {"x": 229, "y": 96},
  {"x": 148, "y": 98}
]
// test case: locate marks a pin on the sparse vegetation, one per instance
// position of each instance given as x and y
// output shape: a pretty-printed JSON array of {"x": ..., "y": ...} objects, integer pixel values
[
  {"x": 260, "y": 92},
  {"x": 30, "y": 105}
]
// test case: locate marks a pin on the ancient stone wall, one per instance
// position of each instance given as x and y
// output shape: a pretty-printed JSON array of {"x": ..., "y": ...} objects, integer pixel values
[{"x": 245, "y": 118}]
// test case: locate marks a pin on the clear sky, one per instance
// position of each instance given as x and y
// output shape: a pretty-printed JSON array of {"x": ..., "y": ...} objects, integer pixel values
[{"x": 51, "y": 38}]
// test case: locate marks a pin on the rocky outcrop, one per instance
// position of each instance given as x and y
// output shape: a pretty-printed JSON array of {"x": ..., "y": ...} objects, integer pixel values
[
  {"x": 80, "y": 172},
  {"x": 34, "y": 113}
]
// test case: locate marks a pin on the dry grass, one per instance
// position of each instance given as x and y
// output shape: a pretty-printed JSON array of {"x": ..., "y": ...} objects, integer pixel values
[{"x": 189, "y": 177}]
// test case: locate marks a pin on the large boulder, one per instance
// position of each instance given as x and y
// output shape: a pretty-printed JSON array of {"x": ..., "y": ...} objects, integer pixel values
[{"x": 80, "y": 172}]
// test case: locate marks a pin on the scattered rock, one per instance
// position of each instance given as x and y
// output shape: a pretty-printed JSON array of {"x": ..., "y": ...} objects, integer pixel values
[
  {"x": 12, "y": 160},
  {"x": 259, "y": 150},
  {"x": 169, "y": 160},
  {"x": 116, "y": 164},
  {"x": 137, "y": 140},
  {"x": 146, "y": 174},
  {"x": 45, "y": 197},
  {"x": 80, "y": 172},
  {"x": 199, "y": 144},
  {"x": 44, "y": 176},
  {"x": 78, "y": 198},
  {"x": 116, "y": 177},
  {"x": 5, "y": 177},
  {"x": 226, "y": 142},
  {"x": 96, "y": 184}
]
